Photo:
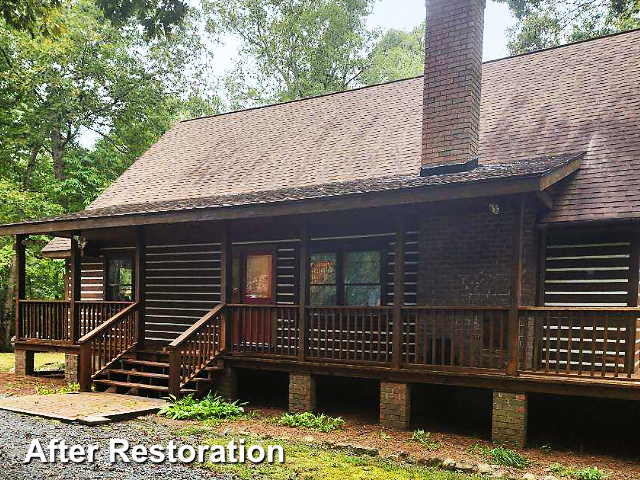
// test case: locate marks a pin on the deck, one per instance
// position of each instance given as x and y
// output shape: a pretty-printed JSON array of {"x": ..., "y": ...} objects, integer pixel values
[{"x": 545, "y": 349}]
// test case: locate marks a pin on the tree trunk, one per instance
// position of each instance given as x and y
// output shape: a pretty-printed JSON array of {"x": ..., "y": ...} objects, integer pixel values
[
  {"x": 31, "y": 166},
  {"x": 8, "y": 314},
  {"x": 56, "y": 152}
]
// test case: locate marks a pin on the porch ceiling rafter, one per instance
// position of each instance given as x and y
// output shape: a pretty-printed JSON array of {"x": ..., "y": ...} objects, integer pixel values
[{"x": 384, "y": 193}]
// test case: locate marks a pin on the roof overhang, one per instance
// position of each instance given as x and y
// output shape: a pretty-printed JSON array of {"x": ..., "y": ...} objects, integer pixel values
[{"x": 510, "y": 185}]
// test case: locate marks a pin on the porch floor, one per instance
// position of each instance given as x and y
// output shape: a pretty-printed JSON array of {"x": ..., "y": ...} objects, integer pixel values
[{"x": 85, "y": 407}]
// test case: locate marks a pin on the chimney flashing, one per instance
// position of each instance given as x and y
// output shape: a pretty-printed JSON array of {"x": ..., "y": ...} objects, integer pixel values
[{"x": 446, "y": 168}]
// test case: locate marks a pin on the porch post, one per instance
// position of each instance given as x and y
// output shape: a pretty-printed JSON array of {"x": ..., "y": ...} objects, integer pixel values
[
  {"x": 398, "y": 292},
  {"x": 76, "y": 281},
  {"x": 141, "y": 280},
  {"x": 225, "y": 283},
  {"x": 20, "y": 279},
  {"x": 302, "y": 296},
  {"x": 515, "y": 291},
  {"x": 633, "y": 356}
]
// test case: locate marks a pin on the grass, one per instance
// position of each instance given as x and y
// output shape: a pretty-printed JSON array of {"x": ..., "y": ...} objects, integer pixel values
[
  {"x": 7, "y": 360},
  {"x": 210, "y": 407},
  {"x": 501, "y": 456},
  {"x": 424, "y": 439},
  {"x": 312, "y": 462},
  {"x": 70, "y": 388},
  {"x": 591, "y": 473},
  {"x": 321, "y": 422}
]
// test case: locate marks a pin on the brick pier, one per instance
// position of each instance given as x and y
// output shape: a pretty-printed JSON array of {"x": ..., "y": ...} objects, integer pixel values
[
  {"x": 510, "y": 418},
  {"x": 302, "y": 393},
  {"x": 24, "y": 362},
  {"x": 395, "y": 405}
]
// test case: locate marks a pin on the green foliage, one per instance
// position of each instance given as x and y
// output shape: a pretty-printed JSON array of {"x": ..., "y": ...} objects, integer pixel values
[
  {"x": 157, "y": 17},
  {"x": 397, "y": 54},
  {"x": 321, "y": 422},
  {"x": 30, "y": 15},
  {"x": 547, "y": 23},
  {"x": 501, "y": 456},
  {"x": 291, "y": 49},
  {"x": 590, "y": 473},
  {"x": 424, "y": 439},
  {"x": 210, "y": 407},
  {"x": 70, "y": 388}
]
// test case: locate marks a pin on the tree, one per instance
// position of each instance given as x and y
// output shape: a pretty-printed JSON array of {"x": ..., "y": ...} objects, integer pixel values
[
  {"x": 547, "y": 23},
  {"x": 398, "y": 54},
  {"x": 291, "y": 49}
]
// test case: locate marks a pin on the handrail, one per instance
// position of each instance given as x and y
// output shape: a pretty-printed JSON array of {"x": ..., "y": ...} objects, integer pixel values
[
  {"x": 192, "y": 351},
  {"x": 195, "y": 327},
  {"x": 105, "y": 325},
  {"x": 580, "y": 309}
]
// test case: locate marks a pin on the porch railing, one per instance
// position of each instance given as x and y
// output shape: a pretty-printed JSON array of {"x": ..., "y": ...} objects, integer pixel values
[
  {"x": 50, "y": 320},
  {"x": 264, "y": 329},
  {"x": 579, "y": 341},
  {"x": 107, "y": 343},
  {"x": 196, "y": 348},
  {"x": 462, "y": 337}
]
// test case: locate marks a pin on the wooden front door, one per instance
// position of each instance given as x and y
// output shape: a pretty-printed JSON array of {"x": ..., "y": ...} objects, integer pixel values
[{"x": 255, "y": 274}]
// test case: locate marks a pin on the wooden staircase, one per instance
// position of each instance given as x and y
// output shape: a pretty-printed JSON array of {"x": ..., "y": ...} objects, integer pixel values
[{"x": 146, "y": 373}]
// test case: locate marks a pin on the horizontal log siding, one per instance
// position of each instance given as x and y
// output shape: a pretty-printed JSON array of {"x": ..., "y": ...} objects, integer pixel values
[
  {"x": 411, "y": 255},
  {"x": 182, "y": 285},
  {"x": 287, "y": 258},
  {"x": 92, "y": 278}
]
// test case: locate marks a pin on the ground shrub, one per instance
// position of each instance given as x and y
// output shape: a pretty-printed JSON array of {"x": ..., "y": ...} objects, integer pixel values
[
  {"x": 210, "y": 407},
  {"x": 321, "y": 422},
  {"x": 501, "y": 456},
  {"x": 424, "y": 439}
]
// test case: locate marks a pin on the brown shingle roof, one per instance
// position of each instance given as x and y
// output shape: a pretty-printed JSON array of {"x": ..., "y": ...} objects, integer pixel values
[{"x": 580, "y": 97}]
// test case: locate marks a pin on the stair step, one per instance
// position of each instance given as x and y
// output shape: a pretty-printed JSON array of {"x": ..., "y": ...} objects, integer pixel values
[
  {"x": 146, "y": 363},
  {"x": 141, "y": 386},
  {"x": 136, "y": 373}
]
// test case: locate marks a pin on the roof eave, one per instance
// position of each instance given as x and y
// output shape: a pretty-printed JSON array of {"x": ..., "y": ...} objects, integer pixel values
[{"x": 458, "y": 191}]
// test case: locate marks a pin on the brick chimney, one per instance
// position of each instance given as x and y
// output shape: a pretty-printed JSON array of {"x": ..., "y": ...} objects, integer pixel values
[{"x": 452, "y": 83}]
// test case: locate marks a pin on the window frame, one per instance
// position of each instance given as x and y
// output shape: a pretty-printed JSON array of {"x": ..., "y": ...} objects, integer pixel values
[
  {"x": 340, "y": 248},
  {"x": 106, "y": 290}
]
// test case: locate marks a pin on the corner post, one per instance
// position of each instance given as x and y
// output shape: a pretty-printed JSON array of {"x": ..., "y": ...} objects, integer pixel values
[
  {"x": 302, "y": 296},
  {"x": 21, "y": 290},
  {"x": 398, "y": 291},
  {"x": 141, "y": 281},
  {"x": 175, "y": 371},
  {"x": 76, "y": 282},
  {"x": 632, "y": 301},
  {"x": 84, "y": 378},
  {"x": 226, "y": 280},
  {"x": 515, "y": 288}
]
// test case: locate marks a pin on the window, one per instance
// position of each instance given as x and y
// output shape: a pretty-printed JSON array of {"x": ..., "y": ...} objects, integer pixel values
[
  {"x": 259, "y": 275},
  {"x": 323, "y": 279},
  {"x": 345, "y": 278},
  {"x": 362, "y": 279},
  {"x": 120, "y": 279}
]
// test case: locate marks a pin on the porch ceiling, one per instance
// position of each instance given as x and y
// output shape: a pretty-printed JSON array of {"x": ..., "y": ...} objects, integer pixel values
[{"x": 518, "y": 177}]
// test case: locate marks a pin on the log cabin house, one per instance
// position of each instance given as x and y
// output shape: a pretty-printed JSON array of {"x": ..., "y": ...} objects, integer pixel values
[{"x": 476, "y": 227}]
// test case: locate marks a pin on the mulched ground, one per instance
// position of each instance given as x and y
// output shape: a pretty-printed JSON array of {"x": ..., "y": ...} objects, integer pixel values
[
  {"x": 390, "y": 443},
  {"x": 12, "y": 385}
]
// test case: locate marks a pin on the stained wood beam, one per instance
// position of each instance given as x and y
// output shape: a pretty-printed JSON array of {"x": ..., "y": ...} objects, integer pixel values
[
  {"x": 141, "y": 281},
  {"x": 515, "y": 289},
  {"x": 303, "y": 281},
  {"x": 76, "y": 283},
  {"x": 398, "y": 291},
  {"x": 21, "y": 278},
  {"x": 544, "y": 199},
  {"x": 226, "y": 279}
]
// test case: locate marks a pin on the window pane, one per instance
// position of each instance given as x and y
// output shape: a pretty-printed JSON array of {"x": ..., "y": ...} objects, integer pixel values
[
  {"x": 323, "y": 268},
  {"x": 259, "y": 276},
  {"x": 323, "y": 295},
  {"x": 362, "y": 295},
  {"x": 120, "y": 279},
  {"x": 362, "y": 267}
]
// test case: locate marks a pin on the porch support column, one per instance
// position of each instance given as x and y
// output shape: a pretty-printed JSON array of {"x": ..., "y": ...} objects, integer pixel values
[
  {"x": 141, "y": 281},
  {"x": 225, "y": 283},
  {"x": 398, "y": 291},
  {"x": 302, "y": 393},
  {"x": 24, "y": 362},
  {"x": 515, "y": 290},
  {"x": 76, "y": 282},
  {"x": 395, "y": 405},
  {"x": 634, "y": 280},
  {"x": 20, "y": 249},
  {"x": 510, "y": 412},
  {"x": 302, "y": 295}
]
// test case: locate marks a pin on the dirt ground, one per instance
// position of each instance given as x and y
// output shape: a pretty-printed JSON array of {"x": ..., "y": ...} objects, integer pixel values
[
  {"x": 12, "y": 385},
  {"x": 390, "y": 443}
]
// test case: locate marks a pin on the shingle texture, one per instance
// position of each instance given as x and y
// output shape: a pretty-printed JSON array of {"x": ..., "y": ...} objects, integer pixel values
[{"x": 581, "y": 97}]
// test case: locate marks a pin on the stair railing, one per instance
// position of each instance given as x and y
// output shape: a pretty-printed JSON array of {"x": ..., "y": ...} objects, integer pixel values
[
  {"x": 106, "y": 343},
  {"x": 196, "y": 348}
]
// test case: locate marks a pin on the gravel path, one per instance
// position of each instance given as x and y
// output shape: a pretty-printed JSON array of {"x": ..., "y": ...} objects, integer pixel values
[{"x": 17, "y": 431}]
